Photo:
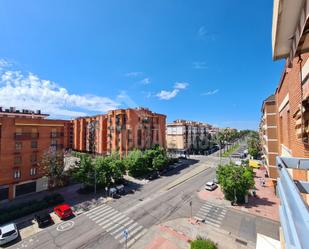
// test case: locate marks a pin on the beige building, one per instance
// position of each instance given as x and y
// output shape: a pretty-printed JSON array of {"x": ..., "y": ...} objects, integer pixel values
[
  {"x": 187, "y": 137},
  {"x": 268, "y": 135}
]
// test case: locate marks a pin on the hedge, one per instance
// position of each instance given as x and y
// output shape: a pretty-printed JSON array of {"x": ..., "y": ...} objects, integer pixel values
[
  {"x": 203, "y": 244},
  {"x": 17, "y": 211}
]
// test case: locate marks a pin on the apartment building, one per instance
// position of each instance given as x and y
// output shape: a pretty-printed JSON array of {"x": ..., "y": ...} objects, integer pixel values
[
  {"x": 290, "y": 41},
  {"x": 268, "y": 135},
  {"x": 24, "y": 137},
  {"x": 187, "y": 137},
  {"x": 120, "y": 130},
  {"x": 90, "y": 134}
]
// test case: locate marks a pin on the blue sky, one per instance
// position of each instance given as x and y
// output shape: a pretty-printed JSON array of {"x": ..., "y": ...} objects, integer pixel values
[{"x": 200, "y": 60}]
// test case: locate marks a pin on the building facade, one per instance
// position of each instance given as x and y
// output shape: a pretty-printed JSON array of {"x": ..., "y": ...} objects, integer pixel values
[
  {"x": 187, "y": 137},
  {"x": 120, "y": 130},
  {"x": 24, "y": 137},
  {"x": 290, "y": 41},
  {"x": 268, "y": 136}
]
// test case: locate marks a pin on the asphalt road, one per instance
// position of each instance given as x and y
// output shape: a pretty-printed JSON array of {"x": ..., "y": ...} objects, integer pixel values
[{"x": 152, "y": 203}]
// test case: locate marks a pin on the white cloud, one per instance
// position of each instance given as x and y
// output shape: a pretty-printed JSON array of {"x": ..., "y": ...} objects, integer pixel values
[
  {"x": 210, "y": 92},
  {"x": 200, "y": 65},
  {"x": 166, "y": 95},
  {"x": 205, "y": 34},
  {"x": 181, "y": 85},
  {"x": 28, "y": 91},
  {"x": 133, "y": 74},
  {"x": 145, "y": 81},
  {"x": 4, "y": 63}
]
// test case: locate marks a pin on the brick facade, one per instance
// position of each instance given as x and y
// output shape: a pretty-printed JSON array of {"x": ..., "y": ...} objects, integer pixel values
[{"x": 23, "y": 140}]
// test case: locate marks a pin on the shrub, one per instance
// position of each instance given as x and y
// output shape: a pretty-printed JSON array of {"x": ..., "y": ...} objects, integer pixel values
[
  {"x": 203, "y": 244},
  {"x": 17, "y": 211}
]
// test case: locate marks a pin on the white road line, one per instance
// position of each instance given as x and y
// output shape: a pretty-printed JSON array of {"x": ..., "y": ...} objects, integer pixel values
[
  {"x": 133, "y": 240},
  {"x": 98, "y": 212},
  {"x": 131, "y": 234},
  {"x": 93, "y": 209},
  {"x": 120, "y": 234},
  {"x": 119, "y": 223},
  {"x": 110, "y": 218},
  {"x": 114, "y": 221},
  {"x": 104, "y": 216},
  {"x": 122, "y": 227}
]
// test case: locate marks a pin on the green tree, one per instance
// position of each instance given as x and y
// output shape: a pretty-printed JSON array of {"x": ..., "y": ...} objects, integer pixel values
[
  {"x": 84, "y": 170},
  {"x": 52, "y": 164},
  {"x": 235, "y": 181},
  {"x": 202, "y": 244},
  {"x": 253, "y": 143},
  {"x": 136, "y": 163},
  {"x": 159, "y": 162}
]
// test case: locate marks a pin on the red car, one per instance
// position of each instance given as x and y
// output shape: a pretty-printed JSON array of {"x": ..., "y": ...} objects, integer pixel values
[{"x": 63, "y": 211}]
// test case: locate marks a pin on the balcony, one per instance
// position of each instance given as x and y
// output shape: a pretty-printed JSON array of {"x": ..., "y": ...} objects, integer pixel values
[
  {"x": 293, "y": 210},
  {"x": 56, "y": 134},
  {"x": 26, "y": 136}
]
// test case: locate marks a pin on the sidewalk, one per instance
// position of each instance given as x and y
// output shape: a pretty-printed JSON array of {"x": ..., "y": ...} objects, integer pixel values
[
  {"x": 177, "y": 234},
  {"x": 266, "y": 204}
]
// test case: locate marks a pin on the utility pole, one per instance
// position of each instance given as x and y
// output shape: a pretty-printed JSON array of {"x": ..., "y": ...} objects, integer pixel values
[{"x": 190, "y": 209}]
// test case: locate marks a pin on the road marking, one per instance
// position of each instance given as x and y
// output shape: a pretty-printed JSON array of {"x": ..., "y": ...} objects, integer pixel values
[{"x": 64, "y": 226}]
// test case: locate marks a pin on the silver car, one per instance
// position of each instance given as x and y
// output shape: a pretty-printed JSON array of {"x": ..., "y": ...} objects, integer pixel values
[
  {"x": 211, "y": 186},
  {"x": 8, "y": 233}
]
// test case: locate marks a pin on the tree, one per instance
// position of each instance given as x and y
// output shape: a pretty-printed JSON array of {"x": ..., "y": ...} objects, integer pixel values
[
  {"x": 159, "y": 162},
  {"x": 253, "y": 143},
  {"x": 235, "y": 181},
  {"x": 52, "y": 164},
  {"x": 135, "y": 163},
  {"x": 84, "y": 171}
]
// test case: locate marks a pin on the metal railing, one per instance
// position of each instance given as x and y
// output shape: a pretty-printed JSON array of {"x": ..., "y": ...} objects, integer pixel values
[
  {"x": 293, "y": 210},
  {"x": 26, "y": 136}
]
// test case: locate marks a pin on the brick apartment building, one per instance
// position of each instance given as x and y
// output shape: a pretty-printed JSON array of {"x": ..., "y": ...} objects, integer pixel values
[
  {"x": 24, "y": 136},
  {"x": 268, "y": 135},
  {"x": 290, "y": 41},
  {"x": 183, "y": 136},
  {"x": 121, "y": 131}
]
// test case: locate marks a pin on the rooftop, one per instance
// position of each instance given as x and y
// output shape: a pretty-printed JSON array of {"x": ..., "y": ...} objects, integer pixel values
[{"x": 13, "y": 112}]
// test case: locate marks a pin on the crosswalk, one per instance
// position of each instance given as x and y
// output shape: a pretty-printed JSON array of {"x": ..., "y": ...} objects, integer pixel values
[
  {"x": 115, "y": 223},
  {"x": 211, "y": 214}
]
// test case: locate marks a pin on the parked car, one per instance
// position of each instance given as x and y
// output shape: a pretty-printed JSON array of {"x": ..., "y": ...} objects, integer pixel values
[
  {"x": 63, "y": 211},
  {"x": 211, "y": 186},
  {"x": 120, "y": 189},
  {"x": 8, "y": 233},
  {"x": 43, "y": 219}
]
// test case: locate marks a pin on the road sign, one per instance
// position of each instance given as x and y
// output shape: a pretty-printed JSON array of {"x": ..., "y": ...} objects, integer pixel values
[{"x": 125, "y": 233}]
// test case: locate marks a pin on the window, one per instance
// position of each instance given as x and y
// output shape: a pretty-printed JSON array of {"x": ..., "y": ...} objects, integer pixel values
[
  {"x": 16, "y": 174},
  {"x": 33, "y": 158},
  {"x": 33, "y": 171},
  {"x": 34, "y": 144},
  {"x": 17, "y": 159},
  {"x": 18, "y": 146},
  {"x": 139, "y": 137},
  {"x": 34, "y": 133},
  {"x": 18, "y": 131}
]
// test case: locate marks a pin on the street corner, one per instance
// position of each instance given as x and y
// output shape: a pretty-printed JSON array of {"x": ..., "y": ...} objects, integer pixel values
[
  {"x": 163, "y": 236},
  {"x": 215, "y": 195},
  {"x": 265, "y": 203}
]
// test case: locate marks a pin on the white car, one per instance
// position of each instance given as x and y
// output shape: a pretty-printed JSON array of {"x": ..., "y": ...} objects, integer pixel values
[
  {"x": 8, "y": 233},
  {"x": 211, "y": 186}
]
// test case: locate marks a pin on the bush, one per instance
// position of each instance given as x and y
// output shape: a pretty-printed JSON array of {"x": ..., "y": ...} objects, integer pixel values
[
  {"x": 26, "y": 208},
  {"x": 203, "y": 244},
  {"x": 235, "y": 180}
]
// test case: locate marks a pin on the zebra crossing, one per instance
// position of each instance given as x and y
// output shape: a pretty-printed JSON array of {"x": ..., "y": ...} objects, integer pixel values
[
  {"x": 115, "y": 223},
  {"x": 211, "y": 214}
]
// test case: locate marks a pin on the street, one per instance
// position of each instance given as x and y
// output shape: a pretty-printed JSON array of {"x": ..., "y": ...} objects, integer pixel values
[{"x": 160, "y": 200}]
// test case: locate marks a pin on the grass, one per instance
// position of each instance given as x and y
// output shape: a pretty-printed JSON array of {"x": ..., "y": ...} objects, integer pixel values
[{"x": 230, "y": 150}]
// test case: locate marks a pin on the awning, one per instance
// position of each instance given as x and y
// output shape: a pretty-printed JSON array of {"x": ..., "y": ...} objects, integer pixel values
[{"x": 290, "y": 28}]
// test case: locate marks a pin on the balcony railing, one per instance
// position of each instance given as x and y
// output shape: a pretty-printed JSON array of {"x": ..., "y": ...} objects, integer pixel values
[
  {"x": 26, "y": 136},
  {"x": 294, "y": 211},
  {"x": 56, "y": 134}
]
